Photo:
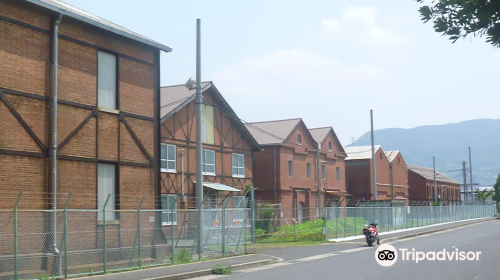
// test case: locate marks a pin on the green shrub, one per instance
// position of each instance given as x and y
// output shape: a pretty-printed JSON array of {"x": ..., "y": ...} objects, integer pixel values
[
  {"x": 221, "y": 269},
  {"x": 182, "y": 256}
]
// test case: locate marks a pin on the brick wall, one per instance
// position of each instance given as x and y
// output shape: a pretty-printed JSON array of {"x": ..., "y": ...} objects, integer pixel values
[
  {"x": 180, "y": 130},
  {"x": 24, "y": 64}
]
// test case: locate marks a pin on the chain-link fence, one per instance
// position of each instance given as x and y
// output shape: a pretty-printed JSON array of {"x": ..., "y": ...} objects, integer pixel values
[
  {"x": 86, "y": 242},
  {"x": 276, "y": 224}
]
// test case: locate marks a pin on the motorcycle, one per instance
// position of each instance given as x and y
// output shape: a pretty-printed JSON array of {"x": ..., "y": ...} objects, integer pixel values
[{"x": 371, "y": 234}]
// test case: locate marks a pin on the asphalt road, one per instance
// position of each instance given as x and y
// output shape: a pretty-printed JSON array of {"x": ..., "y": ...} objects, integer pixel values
[{"x": 358, "y": 261}]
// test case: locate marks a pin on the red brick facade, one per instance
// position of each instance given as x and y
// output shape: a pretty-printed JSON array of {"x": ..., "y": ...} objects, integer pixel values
[
  {"x": 422, "y": 187},
  {"x": 101, "y": 136},
  {"x": 230, "y": 137},
  {"x": 390, "y": 175}
]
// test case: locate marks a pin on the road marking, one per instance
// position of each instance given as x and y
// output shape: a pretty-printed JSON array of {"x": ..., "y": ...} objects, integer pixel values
[{"x": 353, "y": 250}]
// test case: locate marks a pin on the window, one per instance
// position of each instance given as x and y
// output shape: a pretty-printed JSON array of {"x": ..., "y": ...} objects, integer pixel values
[
  {"x": 338, "y": 173},
  {"x": 208, "y": 162},
  {"x": 106, "y": 80},
  {"x": 168, "y": 158},
  {"x": 330, "y": 146},
  {"x": 299, "y": 139},
  {"x": 380, "y": 155},
  {"x": 290, "y": 168},
  {"x": 207, "y": 124},
  {"x": 106, "y": 186},
  {"x": 169, "y": 203},
  {"x": 308, "y": 170},
  {"x": 239, "y": 208},
  {"x": 239, "y": 165},
  {"x": 323, "y": 172}
]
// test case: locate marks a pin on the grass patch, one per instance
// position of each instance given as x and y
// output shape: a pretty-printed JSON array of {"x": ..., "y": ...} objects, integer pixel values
[
  {"x": 313, "y": 230},
  {"x": 222, "y": 269}
]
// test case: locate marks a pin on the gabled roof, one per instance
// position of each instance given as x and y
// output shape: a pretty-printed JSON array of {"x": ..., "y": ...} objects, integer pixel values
[
  {"x": 272, "y": 132},
  {"x": 73, "y": 12},
  {"x": 360, "y": 152},
  {"x": 275, "y": 132},
  {"x": 428, "y": 173},
  {"x": 174, "y": 98},
  {"x": 320, "y": 133},
  {"x": 391, "y": 155}
]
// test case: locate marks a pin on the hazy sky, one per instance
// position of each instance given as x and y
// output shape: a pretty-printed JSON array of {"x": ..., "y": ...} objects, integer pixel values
[{"x": 328, "y": 62}]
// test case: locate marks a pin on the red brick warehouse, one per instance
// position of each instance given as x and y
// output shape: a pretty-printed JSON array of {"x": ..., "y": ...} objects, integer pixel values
[
  {"x": 390, "y": 169},
  {"x": 228, "y": 150},
  {"x": 293, "y": 172},
  {"x": 88, "y": 89}
]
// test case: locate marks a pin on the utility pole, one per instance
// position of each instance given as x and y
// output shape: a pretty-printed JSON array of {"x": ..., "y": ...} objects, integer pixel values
[
  {"x": 374, "y": 172},
  {"x": 199, "y": 175},
  {"x": 465, "y": 183},
  {"x": 435, "y": 188},
  {"x": 471, "y": 185}
]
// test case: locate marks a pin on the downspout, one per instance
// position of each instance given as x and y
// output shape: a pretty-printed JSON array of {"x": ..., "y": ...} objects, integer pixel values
[
  {"x": 391, "y": 166},
  {"x": 318, "y": 182},
  {"x": 275, "y": 173},
  {"x": 182, "y": 176},
  {"x": 53, "y": 100}
]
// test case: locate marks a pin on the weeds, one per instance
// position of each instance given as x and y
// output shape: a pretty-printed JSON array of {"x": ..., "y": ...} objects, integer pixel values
[{"x": 222, "y": 269}]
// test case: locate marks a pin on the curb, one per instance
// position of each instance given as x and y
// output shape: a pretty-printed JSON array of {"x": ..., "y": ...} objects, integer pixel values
[
  {"x": 436, "y": 230},
  {"x": 204, "y": 272}
]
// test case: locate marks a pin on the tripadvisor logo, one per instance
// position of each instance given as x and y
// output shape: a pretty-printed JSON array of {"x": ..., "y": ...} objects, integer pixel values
[{"x": 387, "y": 255}]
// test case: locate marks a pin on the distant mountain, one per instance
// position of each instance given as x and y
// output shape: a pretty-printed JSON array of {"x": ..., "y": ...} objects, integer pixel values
[{"x": 449, "y": 144}]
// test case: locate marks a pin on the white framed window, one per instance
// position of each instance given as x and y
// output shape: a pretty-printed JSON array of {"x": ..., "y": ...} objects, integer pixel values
[
  {"x": 323, "y": 172},
  {"x": 239, "y": 208},
  {"x": 208, "y": 162},
  {"x": 169, "y": 203},
  {"x": 106, "y": 80},
  {"x": 338, "y": 173},
  {"x": 290, "y": 168},
  {"x": 299, "y": 139},
  {"x": 330, "y": 146},
  {"x": 106, "y": 186},
  {"x": 238, "y": 165},
  {"x": 168, "y": 158},
  {"x": 308, "y": 170}
]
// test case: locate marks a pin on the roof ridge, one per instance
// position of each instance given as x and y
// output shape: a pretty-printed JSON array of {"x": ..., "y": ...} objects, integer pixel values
[
  {"x": 274, "y": 121},
  {"x": 183, "y": 84},
  {"x": 320, "y": 127}
]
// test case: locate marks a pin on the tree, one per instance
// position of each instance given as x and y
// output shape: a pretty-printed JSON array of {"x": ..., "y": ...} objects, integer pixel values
[
  {"x": 461, "y": 18},
  {"x": 483, "y": 195},
  {"x": 496, "y": 187}
]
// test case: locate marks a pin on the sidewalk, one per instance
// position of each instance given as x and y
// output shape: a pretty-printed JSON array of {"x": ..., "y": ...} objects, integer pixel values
[
  {"x": 190, "y": 270},
  {"x": 202, "y": 268},
  {"x": 411, "y": 232}
]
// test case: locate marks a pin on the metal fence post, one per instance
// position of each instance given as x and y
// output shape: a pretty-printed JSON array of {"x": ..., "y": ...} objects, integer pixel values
[
  {"x": 172, "y": 232},
  {"x": 15, "y": 234},
  {"x": 139, "y": 229},
  {"x": 66, "y": 236},
  {"x": 294, "y": 220},
  {"x": 245, "y": 228},
  {"x": 252, "y": 214},
  {"x": 104, "y": 231},
  {"x": 345, "y": 219},
  {"x": 355, "y": 218},
  {"x": 224, "y": 229}
]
